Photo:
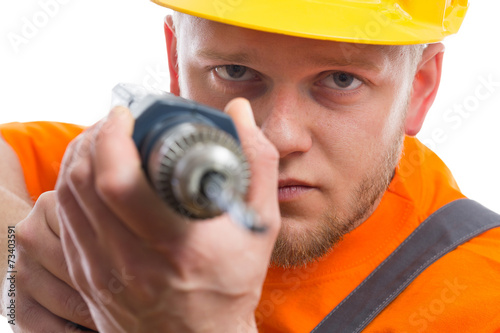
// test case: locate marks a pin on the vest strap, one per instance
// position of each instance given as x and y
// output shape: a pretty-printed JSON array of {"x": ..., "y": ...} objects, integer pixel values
[{"x": 448, "y": 227}]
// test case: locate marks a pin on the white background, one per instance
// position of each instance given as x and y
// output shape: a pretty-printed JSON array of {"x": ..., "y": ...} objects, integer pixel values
[{"x": 65, "y": 70}]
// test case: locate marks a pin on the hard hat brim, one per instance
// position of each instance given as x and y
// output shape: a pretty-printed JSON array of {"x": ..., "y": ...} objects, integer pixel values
[{"x": 368, "y": 22}]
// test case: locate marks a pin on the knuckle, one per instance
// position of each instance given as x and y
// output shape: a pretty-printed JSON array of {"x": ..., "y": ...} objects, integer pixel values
[
  {"x": 46, "y": 199},
  {"x": 21, "y": 230},
  {"x": 108, "y": 186},
  {"x": 267, "y": 158},
  {"x": 28, "y": 315},
  {"x": 79, "y": 175},
  {"x": 24, "y": 236},
  {"x": 28, "y": 231},
  {"x": 266, "y": 150},
  {"x": 33, "y": 318},
  {"x": 114, "y": 186},
  {"x": 74, "y": 305},
  {"x": 45, "y": 202}
]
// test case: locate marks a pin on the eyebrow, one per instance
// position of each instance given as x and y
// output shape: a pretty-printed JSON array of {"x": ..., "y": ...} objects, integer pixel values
[
  {"x": 336, "y": 62},
  {"x": 231, "y": 57},
  {"x": 245, "y": 58}
]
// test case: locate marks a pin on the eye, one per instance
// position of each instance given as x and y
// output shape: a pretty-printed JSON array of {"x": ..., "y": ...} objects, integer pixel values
[
  {"x": 235, "y": 73},
  {"x": 341, "y": 81}
]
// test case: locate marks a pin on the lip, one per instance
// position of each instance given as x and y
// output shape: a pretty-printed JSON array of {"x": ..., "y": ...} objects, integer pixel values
[{"x": 291, "y": 189}]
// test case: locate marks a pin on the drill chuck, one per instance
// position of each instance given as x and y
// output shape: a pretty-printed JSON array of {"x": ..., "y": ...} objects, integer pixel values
[
  {"x": 190, "y": 153},
  {"x": 192, "y": 162}
]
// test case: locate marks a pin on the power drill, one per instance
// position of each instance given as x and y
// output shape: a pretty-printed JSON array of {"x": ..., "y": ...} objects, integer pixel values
[{"x": 190, "y": 153}]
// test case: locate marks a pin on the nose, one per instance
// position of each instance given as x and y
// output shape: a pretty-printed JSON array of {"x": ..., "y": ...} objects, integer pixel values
[{"x": 284, "y": 118}]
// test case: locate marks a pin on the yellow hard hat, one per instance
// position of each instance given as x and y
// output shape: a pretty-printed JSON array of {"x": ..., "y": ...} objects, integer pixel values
[{"x": 357, "y": 21}]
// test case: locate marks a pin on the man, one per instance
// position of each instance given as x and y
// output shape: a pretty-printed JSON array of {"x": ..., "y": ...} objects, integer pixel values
[{"x": 323, "y": 132}]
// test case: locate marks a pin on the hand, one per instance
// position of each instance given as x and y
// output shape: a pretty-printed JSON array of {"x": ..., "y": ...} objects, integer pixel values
[
  {"x": 45, "y": 300},
  {"x": 139, "y": 265}
]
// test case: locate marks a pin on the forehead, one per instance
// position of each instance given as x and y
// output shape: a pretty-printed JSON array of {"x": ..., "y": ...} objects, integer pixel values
[{"x": 207, "y": 38}]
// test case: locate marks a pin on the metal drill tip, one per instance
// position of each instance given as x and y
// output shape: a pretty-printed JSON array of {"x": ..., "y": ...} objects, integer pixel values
[{"x": 238, "y": 210}]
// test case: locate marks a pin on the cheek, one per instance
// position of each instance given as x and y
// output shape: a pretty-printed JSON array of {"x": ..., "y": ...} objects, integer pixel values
[
  {"x": 354, "y": 141},
  {"x": 351, "y": 130},
  {"x": 381, "y": 119},
  {"x": 371, "y": 119}
]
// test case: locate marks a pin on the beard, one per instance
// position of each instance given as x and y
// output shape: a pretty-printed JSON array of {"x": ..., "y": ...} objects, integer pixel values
[{"x": 295, "y": 248}]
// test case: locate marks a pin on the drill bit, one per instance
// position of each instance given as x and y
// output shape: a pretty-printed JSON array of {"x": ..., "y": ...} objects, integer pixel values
[{"x": 212, "y": 185}]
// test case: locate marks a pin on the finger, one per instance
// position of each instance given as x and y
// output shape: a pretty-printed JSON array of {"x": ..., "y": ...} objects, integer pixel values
[
  {"x": 108, "y": 228},
  {"x": 78, "y": 178},
  {"x": 74, "y": 221},
  {"x": 77, "y": 273},
  {"x": 122, "y": 185},
  {"x": 76, "y": 152},
  {"x": 70, "y": 153},
  {"x": 59, "y": 298},
  {"x": 82, "y": 273},
  {"x": 34, "y": 318},
  {"x": 81, "y": 278},
  {"x": 67, "y": 163},
  {"x": 76, "y": 257},
  {"x": 263, "y": 159},
  {"x": 40, "y": 242},
  {"x": 51, "y": 218}
]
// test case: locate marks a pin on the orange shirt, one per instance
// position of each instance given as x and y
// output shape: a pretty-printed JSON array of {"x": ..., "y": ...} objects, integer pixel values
[
  {"x": 458, "y": 293},
  {"x": 40, "y": 147}
]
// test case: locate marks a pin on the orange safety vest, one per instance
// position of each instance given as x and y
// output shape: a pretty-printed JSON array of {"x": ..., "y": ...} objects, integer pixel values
[{"x": 458, "y": 293}]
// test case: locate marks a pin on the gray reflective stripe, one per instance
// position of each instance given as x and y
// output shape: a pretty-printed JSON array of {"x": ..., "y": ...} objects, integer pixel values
[{"x": 443, "y": 231}]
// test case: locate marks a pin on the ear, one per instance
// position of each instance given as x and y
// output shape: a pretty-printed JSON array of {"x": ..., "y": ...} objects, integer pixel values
[
  {"x": 425, "y": 87},
  {"x": 171, "y": 40}
]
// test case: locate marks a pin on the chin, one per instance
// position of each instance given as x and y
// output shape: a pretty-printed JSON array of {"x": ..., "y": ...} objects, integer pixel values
[{"x": 302, "y": 241}]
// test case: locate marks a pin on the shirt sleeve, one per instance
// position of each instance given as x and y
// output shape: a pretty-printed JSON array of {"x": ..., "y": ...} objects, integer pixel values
[{"x": 40, "y": 147}]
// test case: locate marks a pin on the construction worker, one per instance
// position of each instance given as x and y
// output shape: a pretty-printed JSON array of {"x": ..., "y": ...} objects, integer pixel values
[{"x": 361, "y": 218}]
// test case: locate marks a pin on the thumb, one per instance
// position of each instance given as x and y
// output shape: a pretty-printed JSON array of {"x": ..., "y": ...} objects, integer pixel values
[
  {"x": 263, "y": 159},
  {"x": 240, "y": 110}
]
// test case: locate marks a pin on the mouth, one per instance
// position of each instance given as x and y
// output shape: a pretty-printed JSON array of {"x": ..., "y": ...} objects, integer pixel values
[{"x": 291, "y": 189}]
